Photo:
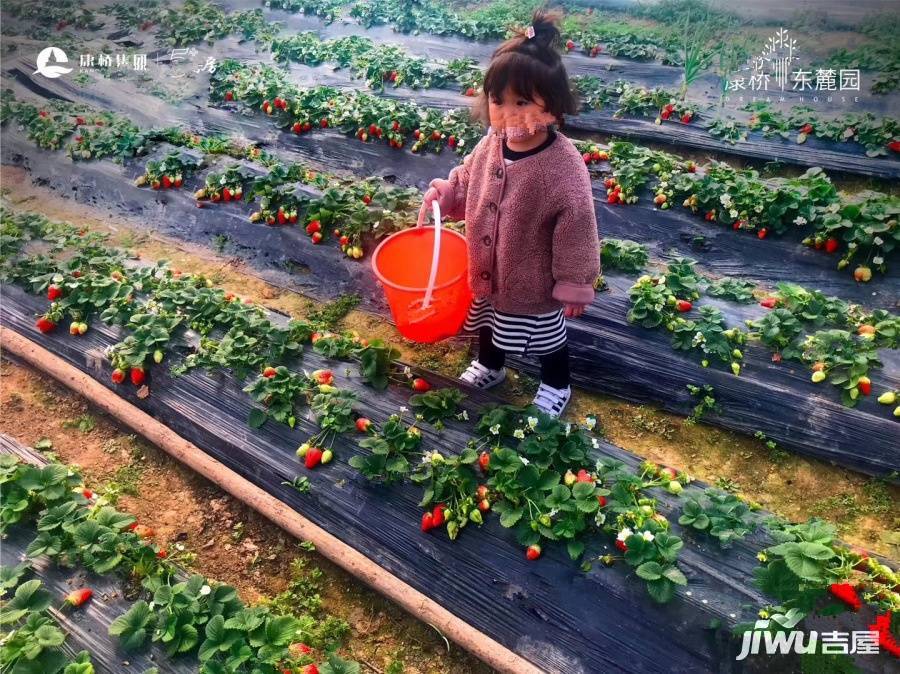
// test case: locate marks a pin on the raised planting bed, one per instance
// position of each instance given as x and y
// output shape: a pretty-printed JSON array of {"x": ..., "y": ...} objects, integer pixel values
[
  {"x": 546, "y": 611},
  {"x": 702, "y": 96},
  {"x": 614, "y": 356}
]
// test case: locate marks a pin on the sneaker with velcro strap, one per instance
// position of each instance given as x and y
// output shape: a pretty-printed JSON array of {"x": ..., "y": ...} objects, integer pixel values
[
  {"x": 482, "y": 377},
  {"x": 551, "y": 400}
]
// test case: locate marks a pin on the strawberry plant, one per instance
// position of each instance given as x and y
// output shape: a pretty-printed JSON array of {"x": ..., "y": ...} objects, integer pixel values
[
  {"x": 779, "y": 330},
  {"x": 227, "y": 185},
  {"x": 843, "y": 359},
  {"x": 328, "y": 10},
  {"x": 437, "y": 405},
  {"x": 278, "y": 392},
  {"x": 450, "y": 493},
  {"x": 736, "y": 290},
  {"x": 719, "y": 514},
  {"x": 391, "y": 449},
  {"x": 171, "y": 170},
  {"x": 629, "y": 257}
]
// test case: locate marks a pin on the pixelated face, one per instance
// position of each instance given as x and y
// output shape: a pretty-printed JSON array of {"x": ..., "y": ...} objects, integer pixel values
[{"x": 516, "y": 117}]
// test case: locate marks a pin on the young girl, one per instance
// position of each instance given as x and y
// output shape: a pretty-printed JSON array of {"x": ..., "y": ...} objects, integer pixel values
[{"x": 525, "y": 195}]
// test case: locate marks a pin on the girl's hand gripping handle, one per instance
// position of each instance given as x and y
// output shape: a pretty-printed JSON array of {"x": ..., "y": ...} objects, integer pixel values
[{"x": 440, "y": 191}]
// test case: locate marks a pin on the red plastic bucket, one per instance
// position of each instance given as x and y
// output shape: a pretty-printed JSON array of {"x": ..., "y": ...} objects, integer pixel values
[{"x": 403, "y": 265}]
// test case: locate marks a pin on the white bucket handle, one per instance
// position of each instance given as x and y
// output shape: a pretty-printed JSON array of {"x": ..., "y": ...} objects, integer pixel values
[{"x": 435, "y": 255}]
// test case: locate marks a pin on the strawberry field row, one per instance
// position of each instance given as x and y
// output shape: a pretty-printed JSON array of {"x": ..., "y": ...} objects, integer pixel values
[
  {"x": 73, "y": 526},
  {"x": 541, "y": 495}
]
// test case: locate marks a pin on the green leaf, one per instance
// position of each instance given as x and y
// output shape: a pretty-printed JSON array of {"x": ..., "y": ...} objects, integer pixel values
[
  {"x": 661, "y": 590},
  {"x": 336, "y": 665},
  {"x": 575, "y": 548},
  {"x": 674, "y": 574},
  {"x": 509, "y": 518},
  {"x": 132, "y": 627},
  {"x": 649, "y": 571},
  {"x": 257, "y": 418},
  {"x": 30, "y": 597}
]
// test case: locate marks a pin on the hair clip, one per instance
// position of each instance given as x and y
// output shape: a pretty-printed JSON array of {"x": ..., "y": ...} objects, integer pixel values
[{"x": 529, "y": 32}]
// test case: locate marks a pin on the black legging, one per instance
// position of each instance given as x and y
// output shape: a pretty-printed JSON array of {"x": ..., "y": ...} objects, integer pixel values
[{"x": 554, "y": 366}]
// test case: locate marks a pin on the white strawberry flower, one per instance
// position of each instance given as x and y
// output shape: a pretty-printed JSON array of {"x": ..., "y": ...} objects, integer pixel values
[
  {"x": 464, "y": 415},
  {"x": 647, "y": 536},
  {"x": 590, "y": 423},
  {"x": 733, "y": 213},
  {"x": 532, "y": 422},
  {"x": 800, "y": 221},
  {"x": 205, "y": 590},
  {"x": 568, "y": 429},
  {"x": 877, "y": 260},
  {"x": 878, "y": 241},
  {"x": 725, "y": 199},
  {"x": 524, "y": 461},
  {"x": 461, "y": 142},
  {"x": 403, "y": 409},
  {"x": 519, "y": 433},
  {"x": 596, "y": 443},
  {"x": 495, "y": 429},
  {"x": 624, "y": 534}
]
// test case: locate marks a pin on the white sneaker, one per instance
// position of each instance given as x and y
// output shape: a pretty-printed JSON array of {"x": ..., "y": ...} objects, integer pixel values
[
  {"x": 482, "y": 377},
  {"x": 551, "y": 400}
]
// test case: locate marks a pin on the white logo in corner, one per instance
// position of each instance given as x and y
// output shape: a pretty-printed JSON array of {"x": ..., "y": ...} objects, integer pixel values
[{"x": 45, "y": 66}]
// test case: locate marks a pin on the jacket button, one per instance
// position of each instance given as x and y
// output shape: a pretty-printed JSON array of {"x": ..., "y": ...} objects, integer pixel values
[
  {"x": 487, "y": 241},
  {"x": 485, "y": 275},
  {"x": 499, "y": 173},
  {"x": 492, "y": 207}
]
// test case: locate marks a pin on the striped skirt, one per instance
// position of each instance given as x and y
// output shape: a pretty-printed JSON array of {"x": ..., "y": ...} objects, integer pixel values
[{"x": 535, "y": 335}]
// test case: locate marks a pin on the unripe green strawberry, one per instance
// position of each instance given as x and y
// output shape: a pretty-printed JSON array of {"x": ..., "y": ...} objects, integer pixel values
[
  {"x": 302, "y": 450},
  {"x": 736, "y": 368},
  {"x": 475, "y": 516},
  {"x": 887, "y": 398},
  {"x": 674, "y": 487},
  {"x": 819, "y": 376},
  {"x": 327, "y": 456},
  {"x": 157, "y": 356}
]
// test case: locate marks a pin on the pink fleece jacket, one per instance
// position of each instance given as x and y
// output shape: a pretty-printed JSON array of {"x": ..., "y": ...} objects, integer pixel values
[{"x": 530, "y": 226}]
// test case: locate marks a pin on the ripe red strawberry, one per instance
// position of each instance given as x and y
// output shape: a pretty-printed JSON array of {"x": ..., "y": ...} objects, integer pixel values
[
  {"x": 137, "y": 375},
  {"x": 437, "y": 515},
  {"x": 532, "y": 552},
  {"x": 323, "y": 122},
  {"x": 894, "y": 145},
  {"x": 78, "y": 597},
  {"x": 601, "y": 500},
  {"x": 481, "y": 492},
  {"x": 420, "y": 385},
  {"x": 363, "y": 424},
  {"x": 311, "y": 669},
  {"x": 229, "y": 95},
  {"x": 484, "y": 505},
  {"x": 427, "y": 521},
  {"x": 451, "y": 141},
  {"x": 118, "y": 376},
  {"x": 470, "y": 91},
  {"x": 683, "y": 306},
  {"x": 166, "y": 181},
  {"x": 323, "y": 376},
  {"x": 45, "y": 325},
  {"x": 762, "y": 233},
  {"x": 864, "y": 385},
  {"x": 226, "y": 194},
  {"x": 587, "y": 157},
  {"x": 313, "y": 457},
  {"x": 665, "y": 114},
  {"x": 806, "y": 128},
  {"x": 484, "y": 461},
  {"x": 344, "y": 240},
  {"x": 87, "y": 493},
  {"x": 297, "y": 127},
  {"x": 143, "y": 531},
  {"x": 367, "y": 199},
  {"x": 162, "y": 554},
  {"x": 316, "y": 237},
  {"x": 179, "y": 180},
  {"x": 269, "y": 372},
  {"x": 570, "y": 45},
  {"x": 583, "y": 476},
  {"x": 769, "y": 302},
  {"x": 831, "y": 245},
  {"x": 313, "y": 227},
  {"x": 620, "y": 545},
  {"x": 282, "y": 219},
  {"x": 846, "y": 593},
  {"x": 687, "y": 117},
  {"x": 435, "y": 135},
  {"x": 54, "y": 293}
]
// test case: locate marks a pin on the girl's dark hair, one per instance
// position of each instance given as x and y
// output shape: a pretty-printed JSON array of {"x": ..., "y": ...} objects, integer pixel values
[{"x": 530, "y": 66}]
